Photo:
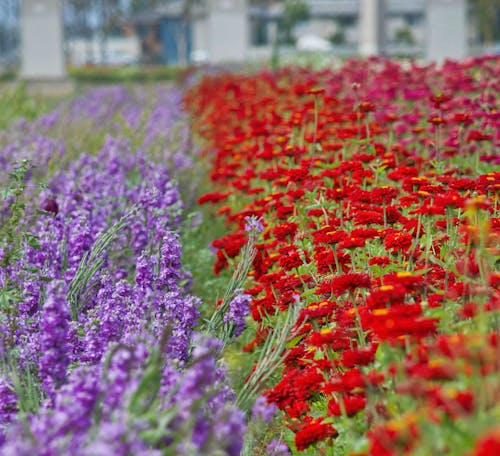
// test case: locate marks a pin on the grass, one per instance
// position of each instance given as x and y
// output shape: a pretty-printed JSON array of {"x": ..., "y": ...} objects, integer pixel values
[{"x": 16, "y": 103}]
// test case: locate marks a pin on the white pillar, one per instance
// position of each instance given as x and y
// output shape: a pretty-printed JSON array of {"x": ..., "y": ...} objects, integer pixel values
[
  {"x": 446, "y": 24},
  {"x": 228, "y": 30},
  {"x": 371, "y": 27},
  {"x": 42, "y": 52}
]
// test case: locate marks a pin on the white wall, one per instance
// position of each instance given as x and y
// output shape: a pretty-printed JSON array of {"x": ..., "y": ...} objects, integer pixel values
[
  {"x": 42, "y": 39},
  {"x": 228, "y": 31},
  {"x": 446, "y": 27},
  {"x": 122, "y": 50}
]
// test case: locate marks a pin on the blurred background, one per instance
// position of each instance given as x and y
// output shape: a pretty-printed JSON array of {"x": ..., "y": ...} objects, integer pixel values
[{"x": 49, "y": 38}]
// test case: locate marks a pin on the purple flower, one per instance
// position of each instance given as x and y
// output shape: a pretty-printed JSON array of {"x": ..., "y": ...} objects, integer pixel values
[
  {"x": 253, "y": 224},
  {"x": 238, "y": 310},
  {"x": 170, "y": 261},
  {"x": 8, "y": 406},
  {"x": 54, "y": 337},
  {"x": 277, "y": 448},
  {"x": 262, "y": 410},
  {"x": 230, "y": 430},
  {"x": 138, "y": 291},
  {"x": 50, "y": 205}
]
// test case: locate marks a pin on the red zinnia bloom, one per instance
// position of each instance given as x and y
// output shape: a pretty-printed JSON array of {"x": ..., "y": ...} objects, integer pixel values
[
  {"x": 476, "y": 135},
  {"x": 328, "y": 235},
  {"x": 366, "y": 106},
  {"x": 316, "y": 310},
  {"x": 379, "y": 260},
  {"x": 352, "y": 405},
  {"x": 489, "y": 443},
  {"x": 352, "y": 242},
  {"x": 408, "y": 279},
  {"x": 368, "y": 217},
  {"x": 398, "y": 241},
  {"x": 289, "y": 258},
  {"x": 284, "y": 230},
  {"x": 213, "y": 197},
  {"x": 231, "y": 244},
  {"x": 359, "y": 356},
  {"x": 313, "y": 432},
  {"x": 439, "y": 98},
  {"x": 386, "y": 295},
  {"x": 349, "y": 282}
]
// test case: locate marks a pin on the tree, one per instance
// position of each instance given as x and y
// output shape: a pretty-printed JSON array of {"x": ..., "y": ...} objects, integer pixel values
[
  {"x": 294, "y": 11},
  {"x": 486, "y": 14}
]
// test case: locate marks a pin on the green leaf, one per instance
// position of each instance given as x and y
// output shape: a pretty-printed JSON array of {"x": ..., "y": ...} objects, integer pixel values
[
  {"x": 32, "y": 240},
  {"x": 294, "y": 341},
  {"x": 7, "y": 193}
]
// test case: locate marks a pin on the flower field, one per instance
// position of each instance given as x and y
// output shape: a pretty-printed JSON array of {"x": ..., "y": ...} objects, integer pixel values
[
  {"x": 347, "y": 302},
  {"x": 98, "y": 344},
  {"x": 377, "y": 188}
]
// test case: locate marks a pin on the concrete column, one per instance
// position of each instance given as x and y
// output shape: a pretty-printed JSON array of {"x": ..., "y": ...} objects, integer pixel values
[
  {"x": 371, "y": 27},
  {"x": 446, "y": 26},
  {"x": 42, "y": 51},
  {"x": 228, "y": 30}
]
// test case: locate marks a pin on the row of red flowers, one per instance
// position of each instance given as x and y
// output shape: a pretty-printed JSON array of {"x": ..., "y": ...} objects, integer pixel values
[{"x": 378, "y": 188}]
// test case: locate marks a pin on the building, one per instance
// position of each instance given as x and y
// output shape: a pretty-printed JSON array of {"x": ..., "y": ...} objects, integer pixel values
[
  {"x": 219, "y": 31},
  {"x": 338, "y": 23},
  {"x": 211, "y": 30}
]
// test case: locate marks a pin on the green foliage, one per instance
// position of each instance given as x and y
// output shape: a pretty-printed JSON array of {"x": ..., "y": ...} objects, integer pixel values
[
  {"x": 8, "y": 75},
  {"x": 128, "y": 74},
  {"x": 271, "y": 356},
  {"x": 27, "y": 389},
  {"x": 294, "y": 11},
  {"x": 216, "y": 325},
  {"x": 199, "y": 259},
  {"x": 92, "y": 261},
  {"x": 337, "y": 38},
  {"x": 486, "y": 18},
  {"x": 404, "y": 35},
  {"x": 14, "y": 231},
  {"x": 16, "y": 103}
]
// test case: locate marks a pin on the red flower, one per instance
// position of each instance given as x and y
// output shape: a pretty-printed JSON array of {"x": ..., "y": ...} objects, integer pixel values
[
  {"x": 436, "y": 119},
  {"x": 359, "y": 356},
  {"x": 439, "y": 98},
  {"x": 316, "y": 310},
  {"x": 386, "y": 295},
  {"x": 349, "y": 282},
  {"x": 366, "y": 106},
  {"x": 345, "y": 383},
  {"x": 281, "y": 232},
  {"x": 328, "y": 235},
  {"x": 352, "y": 404},
  {"x": 213, "y": 197},
  {"x": 489, "y": 443},
  {"x": 476, "y": 135},
  {"x": 352, "y": 242},
  {"x": 368, "y": 218},
  {"x": 313, "y": 432},
  {"x": 398, "y": 241},
  {"x": 408, "y": 279},
  {"x": 231, "y": 244},
  {"x": 289, "y": 258},
  {"x": 454, "y": 403}
]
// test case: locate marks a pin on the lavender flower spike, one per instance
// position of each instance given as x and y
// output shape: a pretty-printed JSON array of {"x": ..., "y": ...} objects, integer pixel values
[
  {"x": 277, "y": 448},
  {"x": 238, "y": 310},
  {"x": 54, "y": 337},
  {"x": 262, "y": 410},
  {"x": 253, "y": 224}
]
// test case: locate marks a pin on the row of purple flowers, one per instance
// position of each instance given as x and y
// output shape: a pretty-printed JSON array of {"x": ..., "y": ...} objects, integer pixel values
[{"x": 100, "y": 352}]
